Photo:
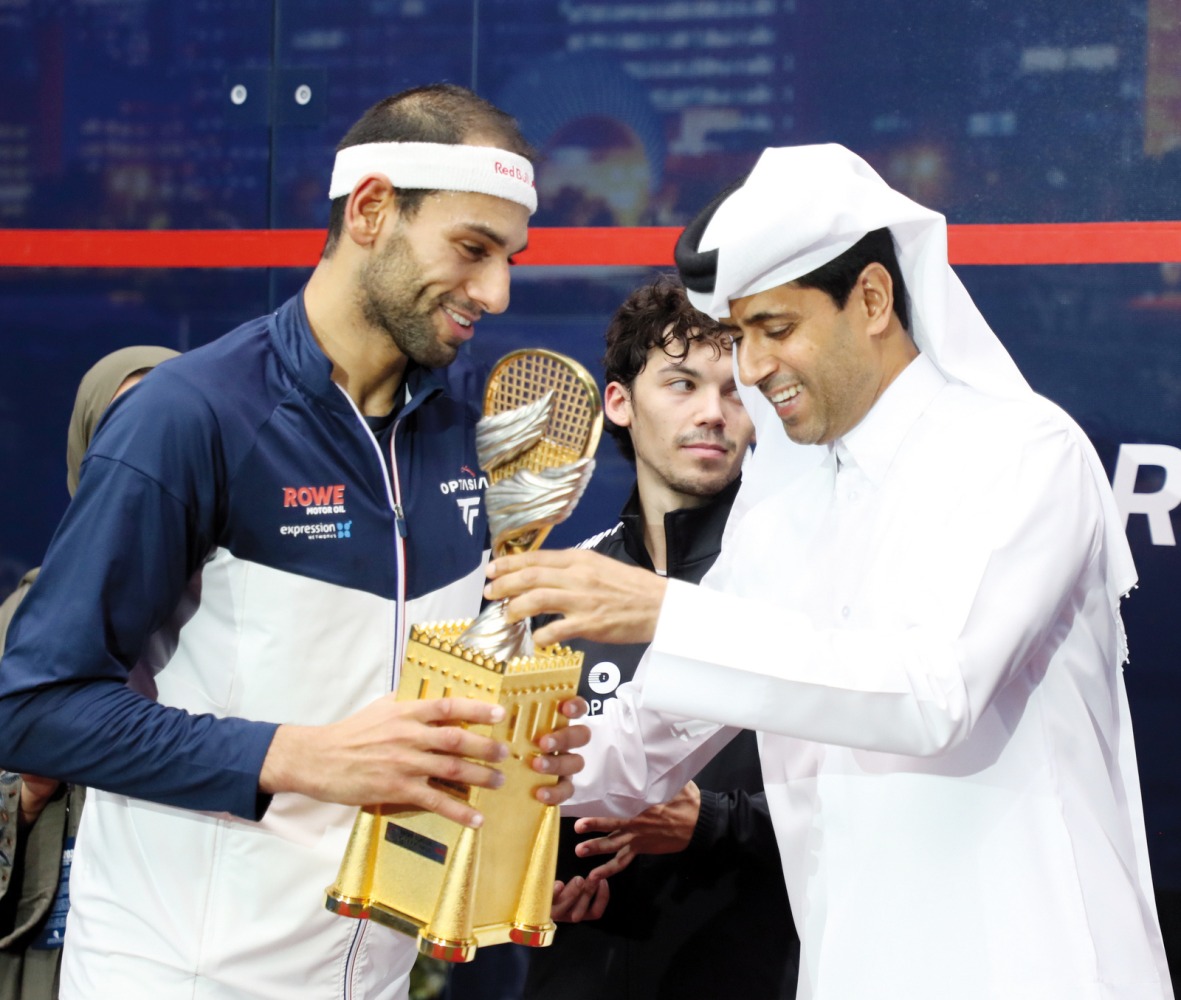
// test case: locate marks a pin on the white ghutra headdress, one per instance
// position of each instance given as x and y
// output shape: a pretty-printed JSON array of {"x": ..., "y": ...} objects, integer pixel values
[{"x": 800, "y": 208}]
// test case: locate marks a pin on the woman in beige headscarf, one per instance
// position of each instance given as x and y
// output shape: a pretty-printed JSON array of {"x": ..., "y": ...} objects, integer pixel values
[{"x": 30, "y": 938}]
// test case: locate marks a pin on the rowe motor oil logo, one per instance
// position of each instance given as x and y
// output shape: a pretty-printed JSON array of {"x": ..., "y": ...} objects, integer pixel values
[{"x": 317, "y": 500}]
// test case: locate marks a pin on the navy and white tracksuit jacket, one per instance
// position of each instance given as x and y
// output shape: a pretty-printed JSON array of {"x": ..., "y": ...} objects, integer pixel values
[{"x": 242, "y": 548}]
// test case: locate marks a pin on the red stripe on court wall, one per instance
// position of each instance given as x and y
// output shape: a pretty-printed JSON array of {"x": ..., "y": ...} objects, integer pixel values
[{"x": 1040, "y": 243}]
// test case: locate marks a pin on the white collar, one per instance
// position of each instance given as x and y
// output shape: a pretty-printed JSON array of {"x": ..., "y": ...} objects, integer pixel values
[{"x": 873, "y": 443}]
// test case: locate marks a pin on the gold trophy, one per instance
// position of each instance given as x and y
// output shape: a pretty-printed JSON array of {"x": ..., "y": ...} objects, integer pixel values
[{"x": 453, "y": 887}]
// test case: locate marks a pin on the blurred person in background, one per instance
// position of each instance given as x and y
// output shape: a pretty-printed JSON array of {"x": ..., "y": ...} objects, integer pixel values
[
  {"x": 39, "y": 816},
  {"x": 255, "y": 528}
]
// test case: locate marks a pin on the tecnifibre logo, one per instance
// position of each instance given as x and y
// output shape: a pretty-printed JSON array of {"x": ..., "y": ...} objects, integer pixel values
[{"x": 469, "y": 507}]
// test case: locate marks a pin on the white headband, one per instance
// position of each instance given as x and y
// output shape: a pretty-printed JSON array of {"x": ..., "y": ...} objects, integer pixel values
[{"x": 437, "y": 166}]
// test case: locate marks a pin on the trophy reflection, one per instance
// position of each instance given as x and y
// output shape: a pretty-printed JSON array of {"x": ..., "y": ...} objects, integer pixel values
[{"x": 452, "y": 887}]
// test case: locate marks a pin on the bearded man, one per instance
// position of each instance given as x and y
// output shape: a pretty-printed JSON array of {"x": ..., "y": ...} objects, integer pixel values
[{"x": 253, "y": 532}]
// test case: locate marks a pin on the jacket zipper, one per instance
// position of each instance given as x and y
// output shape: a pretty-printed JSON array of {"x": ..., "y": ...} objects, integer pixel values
[
  {"x": 394, "y": 499},
  {"x": 400, "y": 530}
]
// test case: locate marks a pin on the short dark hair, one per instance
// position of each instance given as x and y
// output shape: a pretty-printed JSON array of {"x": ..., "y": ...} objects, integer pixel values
[
  {"x": 839, "y": 276},
  {"x": 654, "y": 315},
  {"x": 439, "y": 112}
]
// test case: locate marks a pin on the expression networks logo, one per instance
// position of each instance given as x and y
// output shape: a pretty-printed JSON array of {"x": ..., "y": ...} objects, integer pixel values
[{"x": 319, "y": 531}]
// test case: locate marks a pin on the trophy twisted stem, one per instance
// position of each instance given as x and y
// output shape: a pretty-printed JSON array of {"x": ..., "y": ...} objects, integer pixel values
[
  {"x": 519, "y": 508},
  {"x": 492, "y": 635}
]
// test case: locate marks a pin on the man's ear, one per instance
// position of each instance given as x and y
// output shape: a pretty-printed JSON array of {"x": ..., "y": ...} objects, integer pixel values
[
  {"x": 367, "y": 208},
  {"x": 875, "y": 288},
  {"x": 617, "y": 404}
]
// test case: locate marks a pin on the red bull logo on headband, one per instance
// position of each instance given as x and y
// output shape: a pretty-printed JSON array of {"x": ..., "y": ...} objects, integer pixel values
[{"x": 515, "y": 172}]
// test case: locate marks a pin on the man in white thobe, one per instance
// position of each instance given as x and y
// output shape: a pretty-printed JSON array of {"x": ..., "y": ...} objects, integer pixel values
[{"x": 917, "y": 606}]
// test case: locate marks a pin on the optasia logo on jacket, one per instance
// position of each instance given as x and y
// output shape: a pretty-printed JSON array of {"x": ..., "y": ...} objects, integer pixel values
[
  {"x": 317, "y": 500},
  {"x": 469, "y": 483}
]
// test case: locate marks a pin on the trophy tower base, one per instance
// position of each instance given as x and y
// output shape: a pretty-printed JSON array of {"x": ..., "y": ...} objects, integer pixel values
[{"x": 454, "y": 888}]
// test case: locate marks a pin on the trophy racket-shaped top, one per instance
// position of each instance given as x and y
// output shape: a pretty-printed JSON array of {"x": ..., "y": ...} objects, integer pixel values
[
  {"x": 542, "y": 421},
  {"x": 543, "y": 416}
]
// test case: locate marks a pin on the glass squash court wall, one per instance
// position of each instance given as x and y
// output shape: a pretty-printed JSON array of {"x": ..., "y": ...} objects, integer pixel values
[{"x": 222, "y": 114}]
